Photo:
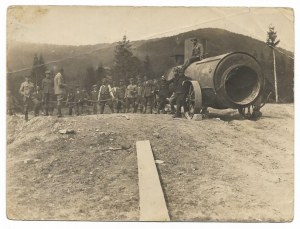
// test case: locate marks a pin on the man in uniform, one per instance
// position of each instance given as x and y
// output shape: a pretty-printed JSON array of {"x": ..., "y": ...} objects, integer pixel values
[
  {"x": 163, "y": 94},
  {"x": 139, "y": 96},
  {"x": 180, "y": 91},
  {"x": 130, "y": 95},
  {"x": 120, "y": 97},
  {"x": 71, "y": 102},
  {"x": 47, "y": 87},
  {"x": 27, "y": 89},
  {"x": 94, "y": 98},
  {"x": 105, "y": 96},
  {"x": 12, "y": 103},
  {"x": 148, "y": 94},
  {"x": 197, "y": 53},
  {"x": 60, "y": 91},
  {"x": 84, "y": 105},
  {"x": 38, "y": 97},
  {"x": 77, "y": 98}
]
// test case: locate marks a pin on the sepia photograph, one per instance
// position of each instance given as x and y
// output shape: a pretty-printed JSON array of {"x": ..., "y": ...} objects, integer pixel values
[{"x": 127, "y": 113}]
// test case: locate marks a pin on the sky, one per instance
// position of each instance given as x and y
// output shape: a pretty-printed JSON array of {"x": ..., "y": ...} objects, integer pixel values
[{"x": 81, "y": 25}]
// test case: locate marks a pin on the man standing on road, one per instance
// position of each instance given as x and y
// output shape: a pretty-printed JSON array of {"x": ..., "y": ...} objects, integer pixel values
[
  {"x": 120, "y": 96},
  {"x": 60, "y": 91},
  {"x": 130, "y": 95},
  {"x": 139, "y": 96},
  {"x": 94, "y": 97},
  {"x": 148, "y": 94},
  {"x": 27, "y": 89},
  {"x": 47, "y": 87},
  {"x": 180, "y": 90},
  {"x": 163, "y": 94},
  {"x": 105, "y": 96}
]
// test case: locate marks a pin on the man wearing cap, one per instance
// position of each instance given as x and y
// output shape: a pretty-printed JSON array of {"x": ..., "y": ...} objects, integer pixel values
[
  {"x": 139, "y": 96},
  {"x": 48, "y": 91},
  {"x": 105, "y": 96},
  {"x": 59, "y": 91},
  {"x": 180, "y": 90},
  {"x": 94, "y": 98},
  {"x": 197, "y": 53},
  {"x": 148, "y": 93},
  {"x": 27, "y": 89},
  {"x": 130, "y": 95},
  {"x": 163, "y": 94},
  {"x": 120, "y": 97}
]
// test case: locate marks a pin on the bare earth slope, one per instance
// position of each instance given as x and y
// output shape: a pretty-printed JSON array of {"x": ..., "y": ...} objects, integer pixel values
[{"x": 220, "y": 169}]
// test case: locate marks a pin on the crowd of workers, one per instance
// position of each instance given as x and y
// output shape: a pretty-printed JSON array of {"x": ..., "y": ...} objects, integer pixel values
[{"x": 141, "y": 95}]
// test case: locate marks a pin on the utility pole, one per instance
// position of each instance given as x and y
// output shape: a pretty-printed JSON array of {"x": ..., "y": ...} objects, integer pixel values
[{"x": 272, "y": 43}]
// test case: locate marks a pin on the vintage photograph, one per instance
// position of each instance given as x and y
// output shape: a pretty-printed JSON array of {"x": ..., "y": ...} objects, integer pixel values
[{"x": 150, "y": 113}]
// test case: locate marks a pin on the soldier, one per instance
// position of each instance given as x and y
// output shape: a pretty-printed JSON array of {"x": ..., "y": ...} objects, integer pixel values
[
  {"x": 77, "y": 98},
  {"x": 85, "y": 97},
  {"x": 60, "y": 91},
  {"x": 163, "y": 94},
  {"x": 155, "y": 95},
  {"x": 180, "y": 91},
  {"x": 139, "y": 96},
  {"x": 105, "y": 96},
  {"x": 130, "y": 95},
  {"x": 71, "y": 104},
  {"x": 148, "y": 94},
  {"x": 120, "y": 97},
  {"x": 27, "y": 89},
  {"x": 38, "y": 97},
  {"x": 197, "y": 53},
  {"x": 12, "y": 103},
  {"x": 48, "y": 91},
  {"x": 114, "y": 89},
  {"x": 94, "y": 98}
]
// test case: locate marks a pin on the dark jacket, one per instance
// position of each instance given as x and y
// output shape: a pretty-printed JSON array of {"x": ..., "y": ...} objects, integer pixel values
[
  {"x": 163, "y": 89},
  {"x": 179, "y": 84},
  {"x": 48, "y": 86}
]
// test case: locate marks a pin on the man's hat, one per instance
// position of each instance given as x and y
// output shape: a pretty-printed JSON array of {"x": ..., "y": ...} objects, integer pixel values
[{"x": 47, "y": 72}]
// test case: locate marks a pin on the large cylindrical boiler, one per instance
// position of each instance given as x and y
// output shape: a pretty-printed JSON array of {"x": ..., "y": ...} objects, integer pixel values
[{"x": 231, "y": 80}]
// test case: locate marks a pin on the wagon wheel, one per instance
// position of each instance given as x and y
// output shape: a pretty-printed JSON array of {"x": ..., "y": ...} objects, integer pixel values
[{"x": 193, "y": 99}]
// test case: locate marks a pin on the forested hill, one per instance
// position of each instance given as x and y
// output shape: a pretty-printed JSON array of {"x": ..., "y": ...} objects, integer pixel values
[{"x": 79, "y": 61}]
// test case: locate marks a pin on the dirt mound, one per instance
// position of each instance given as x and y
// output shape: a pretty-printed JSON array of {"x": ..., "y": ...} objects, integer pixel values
[{"x": 217, "y": 169}]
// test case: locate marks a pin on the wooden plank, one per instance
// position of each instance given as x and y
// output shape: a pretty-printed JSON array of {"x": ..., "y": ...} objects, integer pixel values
[{"x": 152, "y": 201}]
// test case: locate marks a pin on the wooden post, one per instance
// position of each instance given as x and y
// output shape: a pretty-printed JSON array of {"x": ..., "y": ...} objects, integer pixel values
[{"x": 275, "y": 76}]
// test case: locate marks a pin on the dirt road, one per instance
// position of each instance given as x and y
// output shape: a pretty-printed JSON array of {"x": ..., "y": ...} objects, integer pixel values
[{"x": 219, "y": 169}]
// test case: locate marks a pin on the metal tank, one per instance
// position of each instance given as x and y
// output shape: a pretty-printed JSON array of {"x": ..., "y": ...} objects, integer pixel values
[{"x": 232, "y": 80}]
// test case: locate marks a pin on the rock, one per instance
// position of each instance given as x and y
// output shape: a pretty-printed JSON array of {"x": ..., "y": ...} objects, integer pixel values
[
  {"x": 156, "y": 135},
  {"x": 197, "y": 117},
  {"x": 159, "y": 162},
  {"x": 102, "y": 133},
  {"x": 67, "y": 131},
  {"x": 111, "y": 139},
  {"x": 126, "y": 147},
  {"x": 28, "y": 161}
]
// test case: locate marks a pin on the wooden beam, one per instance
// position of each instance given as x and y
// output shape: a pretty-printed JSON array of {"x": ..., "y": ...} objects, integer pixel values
[{"x": 152, "y": 201}]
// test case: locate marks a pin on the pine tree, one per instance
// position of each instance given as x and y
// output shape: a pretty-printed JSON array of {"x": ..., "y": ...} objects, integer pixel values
[{"x": 125, "y": 65}]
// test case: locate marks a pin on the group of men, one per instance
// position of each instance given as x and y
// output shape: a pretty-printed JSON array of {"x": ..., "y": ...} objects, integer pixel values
[
  {"x": 140, "y": 95},
  {"x": 137, "y": 96}
]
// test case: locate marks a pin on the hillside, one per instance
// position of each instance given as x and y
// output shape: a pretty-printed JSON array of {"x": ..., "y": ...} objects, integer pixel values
[
  {"x": 221, "y": 168},
  {"x": 75, "y": 59}
]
